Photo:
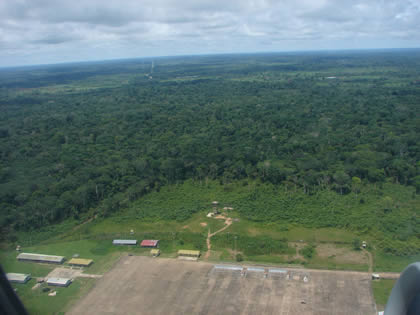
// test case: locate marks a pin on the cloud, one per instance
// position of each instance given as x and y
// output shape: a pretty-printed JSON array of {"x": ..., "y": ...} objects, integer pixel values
[{"x": 30, "y": 29}]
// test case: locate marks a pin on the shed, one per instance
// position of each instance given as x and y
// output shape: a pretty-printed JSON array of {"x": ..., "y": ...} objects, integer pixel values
[
  {"x": 375, "y": 276},
  {"x": 124, "y": 242},
  {"x": 18, "y": 277},
  {"x": 149, "y": 243},
  {"x": 189, "y": 253},
  {"x": 40, "y": 258},
  {"x": 80, "y": 262},
  {"x": 60, "y": 282},
  {"x": 155, "y": 252},
  {"x": 215, "y": 203}
]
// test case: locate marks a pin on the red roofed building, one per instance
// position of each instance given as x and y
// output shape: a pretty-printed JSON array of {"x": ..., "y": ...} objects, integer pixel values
[{"x": 149, "y": 243}]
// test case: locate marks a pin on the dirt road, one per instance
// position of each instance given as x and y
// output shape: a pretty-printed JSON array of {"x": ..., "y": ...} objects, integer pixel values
[{"x": 228, "y": 223}]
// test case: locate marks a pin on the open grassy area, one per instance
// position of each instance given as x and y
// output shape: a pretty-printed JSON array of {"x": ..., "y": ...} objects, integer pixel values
[
  {"x": 383, "y": 262},
  {"x": 38, "y": 302},
  {"x": 381, "y": 291},
  {"x": 279, "y": 242}
]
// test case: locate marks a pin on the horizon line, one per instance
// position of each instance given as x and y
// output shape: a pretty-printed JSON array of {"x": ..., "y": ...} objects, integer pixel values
[{"x": 288, "y": 52}]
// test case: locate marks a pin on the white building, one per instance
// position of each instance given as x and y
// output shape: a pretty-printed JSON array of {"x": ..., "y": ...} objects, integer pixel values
[
  {"x": 60, "y": 282},
  {"x": 18, "y": 277}
]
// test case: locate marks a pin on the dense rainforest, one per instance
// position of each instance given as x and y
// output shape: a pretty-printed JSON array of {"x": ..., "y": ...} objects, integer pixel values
[{"x": 91, "y": 138}]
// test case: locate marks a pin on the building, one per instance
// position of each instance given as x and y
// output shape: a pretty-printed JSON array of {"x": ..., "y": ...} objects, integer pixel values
[
  {"x": 80, "y": 262},
  {"x": 189, "y": 253},
  {"x": 124, "y": 242},
  {"x": 40, "y": 258},
  {"x": 59, "y": 282},
  {"x": 18, "y": 277},
  {"x": 155, "y": 252},
  {"x": 149, "y": 243},
  {"x": 375, "y": 276}
]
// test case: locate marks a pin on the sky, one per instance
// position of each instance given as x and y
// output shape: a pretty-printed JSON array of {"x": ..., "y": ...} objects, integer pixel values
[{"x": 55, "y": 31}]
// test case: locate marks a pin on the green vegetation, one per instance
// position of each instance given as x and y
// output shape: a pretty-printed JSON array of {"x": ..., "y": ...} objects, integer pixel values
[
  {"x": 381, "y": 291},
  {"x": 78, "y": 140},
  {"x": 357, "y": 243},
  {"x": 308, "y": 251},
  {"x": 38, "y": 302},
  {"x": 311, "y": 166}
]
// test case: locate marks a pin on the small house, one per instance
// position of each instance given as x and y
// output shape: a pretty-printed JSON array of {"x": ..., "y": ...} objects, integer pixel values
[
  {"x": 80, "y": 262},
  {"x": 184, "y": 253},
  {"x": 59, "y": 282},
  {"x": 149, "y": 243},
  {"x": 375, "y": 276}
]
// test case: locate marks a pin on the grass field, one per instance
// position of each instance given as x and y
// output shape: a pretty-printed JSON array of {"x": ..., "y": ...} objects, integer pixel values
[
  {"x": 93, "y": 239},
  {"x": 381, "y": 290},
  {"x": 38, "y": 302}
]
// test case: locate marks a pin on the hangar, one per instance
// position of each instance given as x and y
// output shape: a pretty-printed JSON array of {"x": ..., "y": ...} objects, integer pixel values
[
  {"x": 40, "y": 258},
  {"x": 18, "y": 277},
  {"x": 124, "y": 242}
]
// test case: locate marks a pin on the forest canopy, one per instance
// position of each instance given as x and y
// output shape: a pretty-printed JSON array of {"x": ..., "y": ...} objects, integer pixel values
[{"x": 94, "y": 137}]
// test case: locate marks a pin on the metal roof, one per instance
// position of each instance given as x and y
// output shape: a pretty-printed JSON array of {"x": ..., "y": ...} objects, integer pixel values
[
  {"x": 276, "y": 270},
  {"x": 80, "y": 261},
  {"x": 155, "y": 251},
  {"x": 41, "y": 257},
  {"x": 255, "y": 269},
  {"x": 149, "y": 243},
  {"x": 18, "y": 277},
  {"x": 58, "y": 281},
  {"x": 186, "y": 252},
  {"x": 228, "y": 267},
  {"x": 124, "y": 242}
]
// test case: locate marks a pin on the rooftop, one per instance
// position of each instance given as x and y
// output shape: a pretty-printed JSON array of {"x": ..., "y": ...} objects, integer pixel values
[
  {"x": 18, "y": 277},
  {"x": 40, "y": 257},
  {"x": 80, "y": 261},
  {"x": 149, "y": 243},
  {"x": 124, "y": 242},
  {"x": 58, "y": 281},
  {"x": 189, "y": 252}
]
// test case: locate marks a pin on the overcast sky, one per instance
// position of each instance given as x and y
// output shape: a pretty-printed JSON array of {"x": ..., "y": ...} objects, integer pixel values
[{"x": 53, "y": 31}]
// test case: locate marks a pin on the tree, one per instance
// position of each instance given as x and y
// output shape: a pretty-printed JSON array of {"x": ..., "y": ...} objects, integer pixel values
[
  {"x": 356, "y": 244},
  {"x": 342, "y": 180},
  {"x": 356, "y": 183}
]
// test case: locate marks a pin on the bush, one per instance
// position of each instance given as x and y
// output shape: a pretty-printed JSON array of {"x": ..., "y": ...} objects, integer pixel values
[
  {"x": 308, "y": 251},
  {"x": 356, "y": 244},
  {"x": 239, "y": 257}
]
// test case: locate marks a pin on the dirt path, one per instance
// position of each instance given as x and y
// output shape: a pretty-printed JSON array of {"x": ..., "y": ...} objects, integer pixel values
[
  {"x": 228, "y": 223},
  {"x": 370, "y": 260}
]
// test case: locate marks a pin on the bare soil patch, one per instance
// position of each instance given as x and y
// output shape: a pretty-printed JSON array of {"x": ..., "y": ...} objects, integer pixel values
[
  {"x": 341, "y": 254},
  {"x": 142, "y": 285},
  {"x": 203, "y": 224}
]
